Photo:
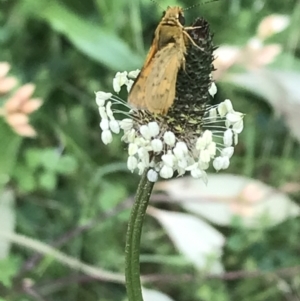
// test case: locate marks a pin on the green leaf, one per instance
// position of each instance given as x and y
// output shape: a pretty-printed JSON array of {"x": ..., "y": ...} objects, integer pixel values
[
  {"x": 50, "y": 158},
  {"x": 25, "y": 178},
  {"x": 9, "y": 147},
  {"x": 67, "y": 165},
  {"x": 33, "y": 158},
  {"x": 9, "y": 267},
  {"x": 111, "y": 195},
  {"x": 96, "y": 42},
  {"x": 48, "y": 181}
]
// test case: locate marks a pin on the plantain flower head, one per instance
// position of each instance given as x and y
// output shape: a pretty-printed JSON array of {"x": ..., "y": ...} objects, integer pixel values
[{"x": 192, "y": 136}]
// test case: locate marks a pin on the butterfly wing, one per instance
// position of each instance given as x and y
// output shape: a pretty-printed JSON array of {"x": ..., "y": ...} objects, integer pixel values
[
  {"x": 136, "y": 95},
  {"x": 154, "y": 89},
  {"x": 161, "y": 79}
]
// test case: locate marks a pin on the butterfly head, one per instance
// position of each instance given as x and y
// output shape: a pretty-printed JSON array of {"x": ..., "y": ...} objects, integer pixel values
[{"x": 174, "y": 13}]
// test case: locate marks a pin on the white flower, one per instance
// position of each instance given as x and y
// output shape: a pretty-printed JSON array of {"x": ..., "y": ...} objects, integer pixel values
[
  {"x": 192, "y": 166},
  {"x": 102, "y": 112},
  {"x": 227, "y": 152},
  {"x": 218, "y": 163},
  {"x": 169, "y": 138},
  {"x": 144, "y": 155},
  {"x": 204, "y": 140},
  {"x": 109, "y": 112},
  {"x": 145, "y": 132},
  {"x": 213, "y": 114},
  {"x": 207, "y": 136},
  {"x": 141, "y": 141},
  {"x": 221, "y": 163},
  {"x": 104, "y": 124},
  {"x": 114, "y": 126},
  {"x": 182, "y": 163},
  {"x": 141, "y": 167},
  {"x": 235, "y": 138},
  {"x": 101, "y": 98},
  {"x": 228, "y": 138},
  {"x": 180, "y": 150},
  {"x": 204, "y": 156},
  {"x": 225, "y": 107},
  {"x": 166, "y": 172},
  {"x": 157, "y": 145},
  {"x": 126, "y": 124},
  {"x": 234, "y": 117},
  {"x": 238, "y": 126},
  {"x": 129, "y": 136},
  {"x": 168, "y": 159},
  {"x": 203, "y": 165},
  {"x": 119, "y": 80},
  {"x": 106, "y": 136},
  {"x": 196, "y": 170},
  {"x": 197, "y": 173},
  {"x": 153, "y": 128},
  {"x": 222, "y": 109},
  {"x": 132, "y": 163},
  {"x": 134, "y": 74},
  {"x": 129, "y": 85},
  {"x": 212, "y": 149},
  {"x": 226, "y": 162},
  {"x": 228, "y": 105},
  {"x": 152, "y": 175},
  {"x": 212, "y": 89},
  {"x": 132, "y": 149}
]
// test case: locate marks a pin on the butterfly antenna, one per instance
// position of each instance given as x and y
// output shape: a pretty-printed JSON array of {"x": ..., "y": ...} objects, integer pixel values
[
  {"x": 157, "y": 4},
  {"x": 198, "y": 4}
]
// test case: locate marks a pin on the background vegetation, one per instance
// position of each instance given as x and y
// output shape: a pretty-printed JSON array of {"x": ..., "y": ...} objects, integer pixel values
[{"x": 65, "y": 197}]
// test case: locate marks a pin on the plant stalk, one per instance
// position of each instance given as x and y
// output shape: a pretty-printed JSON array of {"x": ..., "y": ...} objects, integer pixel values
[{"x": 133, "y": 238}]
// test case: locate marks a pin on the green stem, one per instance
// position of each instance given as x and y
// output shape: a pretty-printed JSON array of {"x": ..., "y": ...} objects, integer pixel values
[{"x": 133, "y": 238}]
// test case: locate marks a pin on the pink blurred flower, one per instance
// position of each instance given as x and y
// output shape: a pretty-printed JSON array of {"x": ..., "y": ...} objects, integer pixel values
[
  {"x": 6, "y": 83},
  {"x": 17, "y": 108},
  {"x": 255, "y": 54},
  {"x": 272, "y": 25},
  {"x": 244, "y": 205}
]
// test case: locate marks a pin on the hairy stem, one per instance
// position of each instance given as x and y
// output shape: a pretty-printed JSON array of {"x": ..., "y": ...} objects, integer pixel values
[{"x": 133, "y": 238}]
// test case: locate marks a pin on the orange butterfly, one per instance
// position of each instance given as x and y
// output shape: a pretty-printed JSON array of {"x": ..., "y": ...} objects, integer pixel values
[{"x": 154, "y": 88}]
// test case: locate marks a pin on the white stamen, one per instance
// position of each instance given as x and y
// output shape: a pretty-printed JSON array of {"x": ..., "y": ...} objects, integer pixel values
[
  {"x": 169, "y": 138},
  {"x": 153, "y": 128},
  {"x": 106, "y": 136},
  {"x": 114, "y": 126},
  {"x": 152, "y": 175},
  {"x": 157, "y": 145},
  {"x": 101, "y": 98}
]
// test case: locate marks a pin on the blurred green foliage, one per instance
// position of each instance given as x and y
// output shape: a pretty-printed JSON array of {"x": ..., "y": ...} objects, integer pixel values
[{"x": 70, "y": 188}]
